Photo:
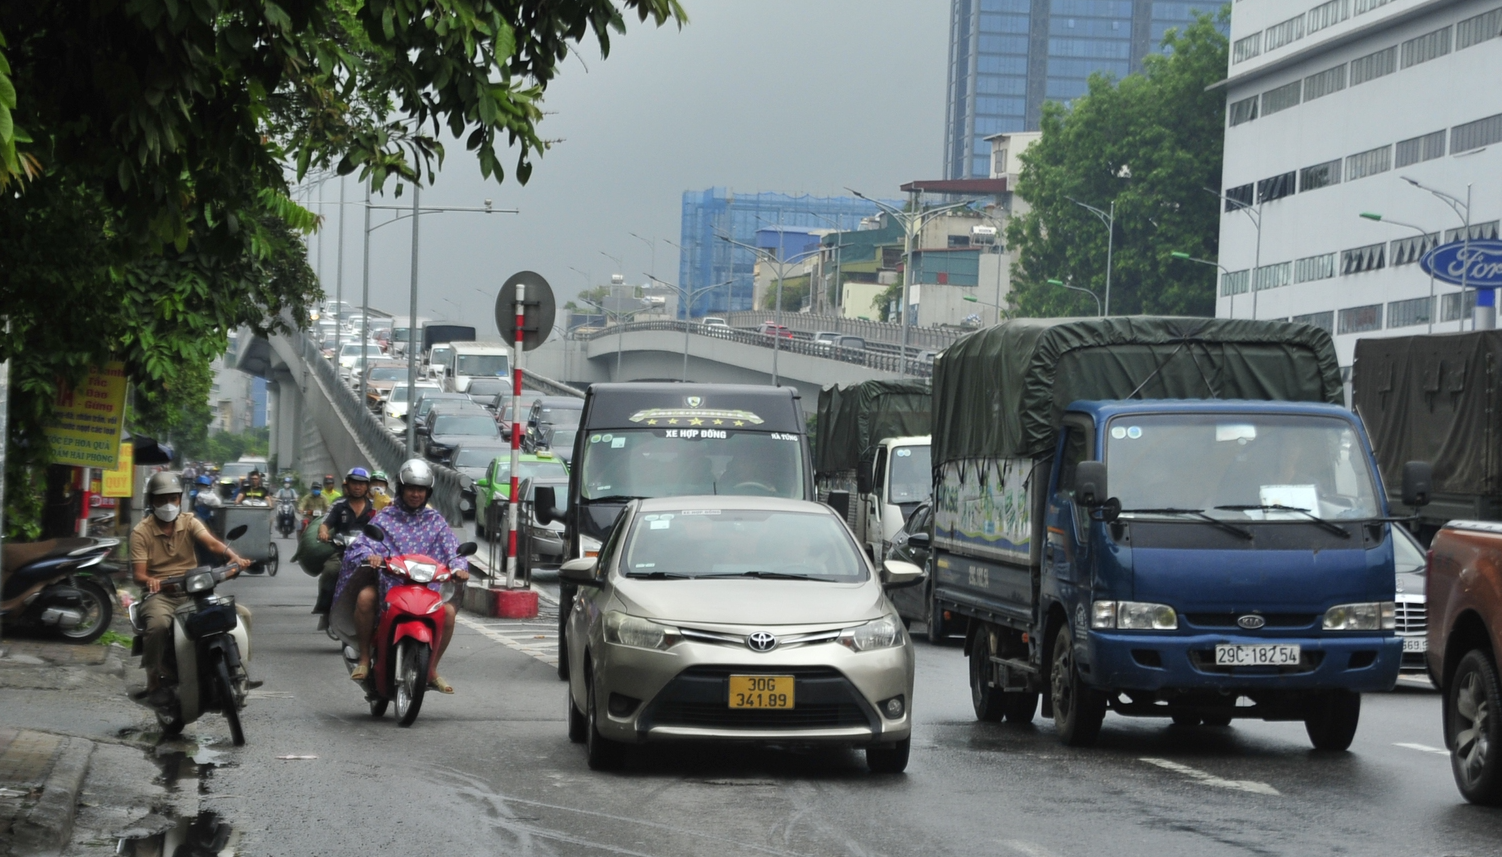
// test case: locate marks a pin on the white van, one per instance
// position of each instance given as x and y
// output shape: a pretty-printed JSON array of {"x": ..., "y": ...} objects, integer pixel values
[{"x": 475, "y": 360}]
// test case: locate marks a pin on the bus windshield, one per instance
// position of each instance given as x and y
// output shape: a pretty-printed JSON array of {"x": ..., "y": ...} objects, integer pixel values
[
  {"x": 677, "y": 462},
  {"x": 482, "y": 364}
]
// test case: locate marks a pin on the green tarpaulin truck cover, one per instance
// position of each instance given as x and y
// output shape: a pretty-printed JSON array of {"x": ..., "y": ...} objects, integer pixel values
[
  {"x": 856, "y": 417},
  {"x": 999, "y": 392}
]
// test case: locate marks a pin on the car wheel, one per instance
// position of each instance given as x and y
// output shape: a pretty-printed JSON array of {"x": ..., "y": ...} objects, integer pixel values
[
  {"x": 603, "y": 753},
  {"x": 1332, "y": 718},
  {"x": 1186, "y": 720},
  {"x": 986, "y": 700},
  {"x": 1217, "y": 720},
  {"x": 1077, "y": 708},
  {"x": 578, "y": 725},
  {"x": 889, "y": 758},
  {"x": 1474, "y": 706}
]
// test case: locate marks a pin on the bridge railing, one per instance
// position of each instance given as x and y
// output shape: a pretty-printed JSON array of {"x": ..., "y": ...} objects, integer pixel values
[
  {"x": 881, "y": 360},
  {"x": 934, "y": 338},
  {"x": 535, "y": 381}
]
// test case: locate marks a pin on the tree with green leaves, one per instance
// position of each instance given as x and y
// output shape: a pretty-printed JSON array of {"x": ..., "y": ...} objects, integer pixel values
[
  {"x": 147, "y": 152},
  {"x": 1152, "y": 143}
]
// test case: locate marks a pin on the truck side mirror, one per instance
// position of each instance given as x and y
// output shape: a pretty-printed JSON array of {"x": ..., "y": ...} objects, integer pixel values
[
  {"x": 863, "y": 479},
  {"x": 1090, "y": 483},
  {"x": 1418, "y": 483},
  {"x": 839, "y": 501},
  {"x": 920, "y": 540}
]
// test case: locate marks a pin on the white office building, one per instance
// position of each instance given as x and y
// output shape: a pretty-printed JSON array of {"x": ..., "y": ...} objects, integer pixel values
[{"x": 1330, "y": 107}]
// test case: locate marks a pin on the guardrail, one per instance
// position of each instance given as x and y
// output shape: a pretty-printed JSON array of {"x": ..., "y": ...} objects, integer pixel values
[
  {"x": 535, "y": 381},
  {"x": 935, "y": 338},
  {"x": 886, "y": 362}
]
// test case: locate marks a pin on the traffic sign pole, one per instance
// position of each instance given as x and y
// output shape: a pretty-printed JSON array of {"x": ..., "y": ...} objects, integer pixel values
[{"x": 516, "y": 435}]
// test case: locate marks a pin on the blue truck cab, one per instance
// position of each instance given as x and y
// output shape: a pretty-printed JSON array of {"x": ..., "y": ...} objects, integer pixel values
[{"x": 1199, "y": 557}]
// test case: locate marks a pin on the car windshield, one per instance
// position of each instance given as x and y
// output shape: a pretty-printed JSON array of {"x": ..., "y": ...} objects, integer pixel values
[
  {"x": 388, "y": 373},
  {"x": 675, "y": 462},
  {"x": 399, "y": 392},
  {"x": 911, "y": 478},
  {"x": 353, "y": 349},
  {"x": 1408, "y": 556},
  {"x": 563, "y": 438},
  {"x": 561, "y": 417},
  {"x": 480, "y": 425},
  {"x": 400, "y": 334},
  {"x": 237, "y": 470},
  {"x": 548, "y": 470},
  {"x": 741, "y": 542},
  {"x": 479, "y": 457},
  {"x": 482, "y": 364},
  {"x": 1207, "y": 462},
  {"x": 487, "y": 388}
]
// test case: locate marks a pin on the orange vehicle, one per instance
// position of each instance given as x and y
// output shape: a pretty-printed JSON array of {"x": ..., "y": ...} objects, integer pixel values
[{"x": 1465, "y": 638}]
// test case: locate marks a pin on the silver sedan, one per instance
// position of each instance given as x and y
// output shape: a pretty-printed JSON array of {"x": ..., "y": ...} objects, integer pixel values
[{"x": 737, "y": 618}]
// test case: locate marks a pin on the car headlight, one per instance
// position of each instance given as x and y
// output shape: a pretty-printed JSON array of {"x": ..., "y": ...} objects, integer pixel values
[
  {"x": 1370, "y": 616},
  {"x": 624, "y": 630},
  {"x": 421, "y": 572},
  {"x": 200, "y": 582},
  {"x": 1133, "y": 616},
  {"x": 883, "y": 633}
]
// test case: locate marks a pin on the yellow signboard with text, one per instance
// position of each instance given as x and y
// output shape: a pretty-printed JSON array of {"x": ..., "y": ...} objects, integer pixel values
[
  {"x": 85, "y": 427},
  {"x": 117, "y": 482}
]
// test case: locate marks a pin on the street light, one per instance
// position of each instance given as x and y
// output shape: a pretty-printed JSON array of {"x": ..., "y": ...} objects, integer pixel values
[
  {"x": 1098, "y": 310},
  {"x": 651, "y": 245},
  {"x": 1231, "y": 312},
  {"x": 1256, "y": 219},
  {"x": 620, "y": 332},
  {"x": 1456, "y": 205},
  {"x": 1110, "y": 221},
  {"x": 1368, "y": 215},
  {"x": 688, "y": 297},
  {"x": 782, "y": 265},
  {"x": 912, "y": 225}
]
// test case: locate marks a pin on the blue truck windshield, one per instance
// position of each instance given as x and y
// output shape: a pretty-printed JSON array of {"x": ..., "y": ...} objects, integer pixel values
[
  {"x": 678, "y": 462},
  {"x": 1206, "y": 462}
]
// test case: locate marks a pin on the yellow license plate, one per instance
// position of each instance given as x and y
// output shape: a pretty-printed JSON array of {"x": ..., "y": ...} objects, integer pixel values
[{"x": 761, "y": 691}]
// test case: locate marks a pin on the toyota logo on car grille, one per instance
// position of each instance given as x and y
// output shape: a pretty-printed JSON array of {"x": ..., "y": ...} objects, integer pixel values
[
  {"x": 761, "y": 641},
  {"x": 1251, "y": 623}
]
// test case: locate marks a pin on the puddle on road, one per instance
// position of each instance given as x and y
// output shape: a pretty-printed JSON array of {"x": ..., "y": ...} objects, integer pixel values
[
  {"x": 178, "y": 758},
  {"x": 200, "y": 836}
]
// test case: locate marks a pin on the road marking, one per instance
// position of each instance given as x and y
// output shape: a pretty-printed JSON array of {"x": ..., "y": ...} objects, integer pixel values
[
  {"x": 1211, "y": 780},
  {"x": 543, "y": 650},
  {"x": 1031, "y": 849},
  {"x": 1422, "y": 748}
]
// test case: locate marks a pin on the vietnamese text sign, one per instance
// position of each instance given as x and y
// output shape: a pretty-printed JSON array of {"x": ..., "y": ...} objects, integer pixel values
[
  {"x": 85, "y": 427},
  {"x": 1477, "y": 264},
  {"x": 117, "y": 482}
]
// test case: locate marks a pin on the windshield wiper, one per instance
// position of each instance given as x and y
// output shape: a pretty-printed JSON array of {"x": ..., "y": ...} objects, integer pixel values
[
  {"x": 613, "y": 498},
  {"x": 1328, "y": 526},
  {"x": 661, "y": 575},
  {"x": 1224, "y": 525},
  {"x": 764, "y": 575}
]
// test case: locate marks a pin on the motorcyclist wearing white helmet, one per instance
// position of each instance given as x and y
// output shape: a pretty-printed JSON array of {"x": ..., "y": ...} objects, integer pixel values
[
  {"x": 410, "y": 527},
  {"x": 161, "y": 546}
]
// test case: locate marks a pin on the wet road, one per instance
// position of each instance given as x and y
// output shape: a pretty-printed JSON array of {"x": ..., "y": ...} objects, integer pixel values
[{"x": 491, "y": 771}]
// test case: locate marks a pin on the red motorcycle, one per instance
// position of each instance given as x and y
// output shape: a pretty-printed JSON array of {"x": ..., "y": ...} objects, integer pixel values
[{"x": 407, "y": 631}]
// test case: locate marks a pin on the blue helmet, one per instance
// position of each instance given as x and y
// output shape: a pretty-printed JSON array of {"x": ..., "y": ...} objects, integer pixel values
[
  {"x": 357, "y": 474},
  {"x": 204, "y": 480}
]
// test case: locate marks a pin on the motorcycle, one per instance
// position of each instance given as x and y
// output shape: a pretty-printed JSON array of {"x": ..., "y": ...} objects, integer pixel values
[
  {"x": 407, "y": 631},
  {"x": 209, "y": 646},
  {"x": 286, "y": 518},
  {"x": 60, "y": 585}
]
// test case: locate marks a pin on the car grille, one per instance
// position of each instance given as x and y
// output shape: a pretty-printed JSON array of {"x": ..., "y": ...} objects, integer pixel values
[
  {"x": 1412, "y": 617},
  {"x": 1228, "y": 620},
  {"x": 699, "y": 697}
]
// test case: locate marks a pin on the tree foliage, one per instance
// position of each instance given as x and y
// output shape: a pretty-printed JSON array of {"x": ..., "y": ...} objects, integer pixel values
[
  {"x": 147, "y": 148},
  {"x": 1152, "y": 143}
]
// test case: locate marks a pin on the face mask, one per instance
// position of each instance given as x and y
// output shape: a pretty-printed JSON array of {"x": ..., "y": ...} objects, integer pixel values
[{"x": 166, "y": 513}]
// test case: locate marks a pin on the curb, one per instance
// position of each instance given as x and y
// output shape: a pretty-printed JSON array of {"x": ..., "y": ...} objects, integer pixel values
[{"x": 48, "y": 828}]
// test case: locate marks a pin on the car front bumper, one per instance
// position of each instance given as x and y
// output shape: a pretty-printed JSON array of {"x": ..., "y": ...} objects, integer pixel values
[{"x": 1153, "y": 662}]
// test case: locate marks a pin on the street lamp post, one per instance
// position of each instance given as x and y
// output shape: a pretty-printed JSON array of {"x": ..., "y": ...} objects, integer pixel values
[
  {"x": 1110, "y": 221},
  {"x": 1256, "y": 219},
  {"x": 620, "y": 332},
  {"x": 652, "y": 246},
  {"x": 1231, "y": 311},
  {"x": 688, "y": 297},
  {"x": 1456, "y": 206},
  {"x": 1368, "y": 215},
  {"x": 1099, "y": 311},
  {"x": 781, "y": 268}
]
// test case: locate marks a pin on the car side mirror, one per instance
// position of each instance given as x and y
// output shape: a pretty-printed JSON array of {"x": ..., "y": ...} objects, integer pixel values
[
  {"x": 1418, "y": 483},
  {"x": 545, "y": 505},
  {"x": 919, "y": 540},
  {"x": 468, "y": 549},
  {"x": 896, "y": 574},
  {"x": 374, "y": 533},
  {"x": 1090, "y": 483},
  {"x": 236, "y": 533},
  {"x": 580, "y": 572}
]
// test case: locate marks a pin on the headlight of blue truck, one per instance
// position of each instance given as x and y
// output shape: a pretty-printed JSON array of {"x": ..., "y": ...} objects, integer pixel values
[
  {"x": 1133, "y": 616},
  {"x": 1369, "y": 616}
]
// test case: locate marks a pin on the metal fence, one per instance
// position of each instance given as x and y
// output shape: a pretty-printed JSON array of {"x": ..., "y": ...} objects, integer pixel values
[
  {"x": 935, "y": 338},
  {"x": 534, "y": 381},
  {"x": 881, "y": 360}
]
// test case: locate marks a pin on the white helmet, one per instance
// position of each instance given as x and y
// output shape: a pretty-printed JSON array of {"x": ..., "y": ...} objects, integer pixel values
[{"x": 417, "y": 473}]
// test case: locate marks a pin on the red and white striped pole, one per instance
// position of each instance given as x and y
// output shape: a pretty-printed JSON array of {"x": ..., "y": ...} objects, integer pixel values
[{"x": 517, "y": 427}]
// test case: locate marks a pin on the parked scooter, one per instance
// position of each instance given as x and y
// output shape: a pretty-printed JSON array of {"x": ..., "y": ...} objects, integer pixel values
[
  {"x": 210, "y": 648},
  {"x": 59, "y": 585},
  {"x": 286, "y": 518},
  {"x": 407, "y": 632}
]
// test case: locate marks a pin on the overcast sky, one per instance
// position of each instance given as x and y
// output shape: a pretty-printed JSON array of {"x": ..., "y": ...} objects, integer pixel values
[{"x": 771, "y": 95}]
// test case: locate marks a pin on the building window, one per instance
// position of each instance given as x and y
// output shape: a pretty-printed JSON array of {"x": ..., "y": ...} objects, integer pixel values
[
  {"x": 1285, "y": 33},
  {"x": 1234, "y": 283},
  {"x": 1474, "y": 135},
  {"x": 1368, "y": 163},
  {"x": 1364, "y": 6},
  {"x": 1272, "y": 276},
  {"x": 1416, "y": 149},
  {"x": 1277, "y": 187},
  {"x": 1323, "y": 320},
  {"x": 1430, "y": 46},
  {"x": 1474, "y": 31},
  {"x": 1457, "y": 305},
  {"x": 1324, "y": 83},
  {"x": 1312, "y": 268},
  {"x": 1357, "y": 260},
  {"x": 1406, "y": 251},
  {"x": 1410, "y": 312},
  {"x": 1319, "y": 175},
  {"x": 1479, "y": 232},
  {"x": 1239, "y": 197},
  {"x": 1281, "y": 98},
  {"x": 1373, "y": 66},
  {"x": 1246, "y": 48},
  {"x": 1327, "y": 15},
  {"x": 1360, "y": 319},
  {"x": 1244, "y": 110}
]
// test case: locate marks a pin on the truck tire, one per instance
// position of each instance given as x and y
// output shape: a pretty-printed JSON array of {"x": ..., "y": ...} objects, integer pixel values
[
  {"x": 1474, "y": 710},
  {"x": 986, "y": 699},
  {"x": 1019, "y": 706},
  {"x": 938, "y": 629},
  {"x": 1331, "y": 720},
  {"x": 1077, "y": 708}
]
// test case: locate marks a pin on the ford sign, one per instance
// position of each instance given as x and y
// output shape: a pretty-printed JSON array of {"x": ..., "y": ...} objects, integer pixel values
[{"x": 1475, "y": 265}]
